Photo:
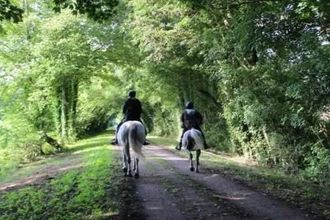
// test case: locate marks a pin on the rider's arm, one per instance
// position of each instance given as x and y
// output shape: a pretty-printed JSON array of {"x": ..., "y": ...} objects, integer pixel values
[
  {"x": 182, "y": 117},
  {"x": 199, "y": 118},
  {"x": 125, "y": 107},
  {"x": 139, "y": 107}
]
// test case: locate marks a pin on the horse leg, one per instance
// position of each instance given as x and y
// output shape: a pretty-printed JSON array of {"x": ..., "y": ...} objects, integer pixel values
[
  {"x": 124, "y": 161},
  {"x": 198, "y": 153},
  {"x": 129, "y": 170},
  {"x": 127, "y": 161},
  {"x": 136, "y": 162},
  {"x": 191, "y": 161}
]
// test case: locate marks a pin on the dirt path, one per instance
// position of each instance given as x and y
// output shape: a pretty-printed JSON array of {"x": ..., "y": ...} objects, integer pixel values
[{"x": 167, "y": 189}]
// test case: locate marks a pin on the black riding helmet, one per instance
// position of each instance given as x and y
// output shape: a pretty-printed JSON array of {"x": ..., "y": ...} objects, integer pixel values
[
  {"x": 131, "y": 94},
  {"x": 189, "y": 105}
]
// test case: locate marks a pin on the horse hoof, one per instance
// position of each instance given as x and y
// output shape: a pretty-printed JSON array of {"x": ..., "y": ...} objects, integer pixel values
[
  {"x": 129, "y": 175},
  {"x": 197, "y": 171},
  {"x": 125, "y": 170},
  {"x": 192, "y": 169},
  {"x": 136, "y": 175}
]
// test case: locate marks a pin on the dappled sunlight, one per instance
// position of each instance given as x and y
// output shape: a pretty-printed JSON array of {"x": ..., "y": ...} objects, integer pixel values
[
  {"x": 152, "y": 147},
  {"x": 231, "y": 198},
  {"x": 167, "y": 143},
  {"x": 95, "y": 148},
  {"x": 154, "y": 207},
  {"x": 237, "y": 159},
  {"x": 83, "y": 146},
  {"x": 216, "y": 160},
  {"x": 175, "y": 159},
  {"x": 161, "y": 154},
  {"x": 215, "y": 175},
  {"x": 38, "y": 178},
  {"x": 167, "y": 157},
  {"x": 245, "y": 83},
  {"x": 108, "y": 215},
  {"x": 213, "y": 157},
  {"x": 162, "y": 140}
]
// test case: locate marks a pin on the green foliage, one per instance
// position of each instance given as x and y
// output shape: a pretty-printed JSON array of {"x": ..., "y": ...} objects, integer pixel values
[
  {"x": 272, "y": 77},
  {"x": 257, "y": 71},
  {"x": 98, "y": 104},
  {"x": 65, "y": 55},
  {"x": 9, "y": 11},
  {"x": 95, "y": 9},
  {"x": 318, "y": 168},
  {"x": 10, "y": 160}
]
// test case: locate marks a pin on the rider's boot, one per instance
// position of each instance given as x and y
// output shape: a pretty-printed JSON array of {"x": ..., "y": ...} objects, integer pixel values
[
  {"x": 179, "y": 146},
  {"x": 114, "y": 141},
  {"x": 206, "y": 146}
]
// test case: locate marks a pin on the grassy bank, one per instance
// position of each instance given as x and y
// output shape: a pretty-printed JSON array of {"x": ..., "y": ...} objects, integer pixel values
[{"x": 89, "y": 189}]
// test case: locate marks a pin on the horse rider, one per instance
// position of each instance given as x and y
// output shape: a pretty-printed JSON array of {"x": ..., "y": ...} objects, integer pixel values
[
  {"x": 191, "y": 118},
  {"x": 132, "y": 110}
]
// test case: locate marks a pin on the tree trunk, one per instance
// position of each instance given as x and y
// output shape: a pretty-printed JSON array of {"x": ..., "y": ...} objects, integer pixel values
[
  {"x": 63, "y": 114},
  {"x": 73, "y": 100}
]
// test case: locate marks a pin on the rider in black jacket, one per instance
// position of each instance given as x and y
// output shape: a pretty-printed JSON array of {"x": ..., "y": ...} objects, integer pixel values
[{"x": 132, "y": 110}]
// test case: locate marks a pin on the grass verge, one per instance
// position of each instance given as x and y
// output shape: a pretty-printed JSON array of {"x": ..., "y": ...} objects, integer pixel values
[{"x": 91, "y": 191}]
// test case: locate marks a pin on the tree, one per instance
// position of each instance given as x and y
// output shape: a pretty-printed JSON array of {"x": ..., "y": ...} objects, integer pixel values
[
  {"x": 96, "y": 9},
  {"x": 9, "y": 11}
]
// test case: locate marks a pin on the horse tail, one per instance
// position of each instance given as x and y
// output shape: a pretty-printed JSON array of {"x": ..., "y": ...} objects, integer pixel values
[
  {"x": 136, "y": 139},
  {"x": 198, "y": 138},
  {"x": 193, "y": 139}
]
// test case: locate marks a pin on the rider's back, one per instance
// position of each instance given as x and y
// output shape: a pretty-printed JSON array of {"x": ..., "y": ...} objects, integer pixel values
[
  {"x": 192, "y": 118},
  {"x": 132, "y": 109}
]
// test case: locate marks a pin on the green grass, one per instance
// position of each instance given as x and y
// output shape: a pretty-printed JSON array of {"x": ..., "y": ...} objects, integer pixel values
[
  {"x": 90, "y": 192},
  {"x": 9, "y": 162},
  {"x": 293, "y": 189}
]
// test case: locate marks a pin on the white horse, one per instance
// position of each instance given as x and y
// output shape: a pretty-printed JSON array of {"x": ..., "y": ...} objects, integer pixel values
[
  {"x": 193, "y": 140},
  {"x": 131, "y": 135}
]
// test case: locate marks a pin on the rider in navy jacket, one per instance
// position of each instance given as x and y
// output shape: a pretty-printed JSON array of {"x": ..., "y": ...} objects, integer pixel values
[{"x": 191, "y": 118}]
